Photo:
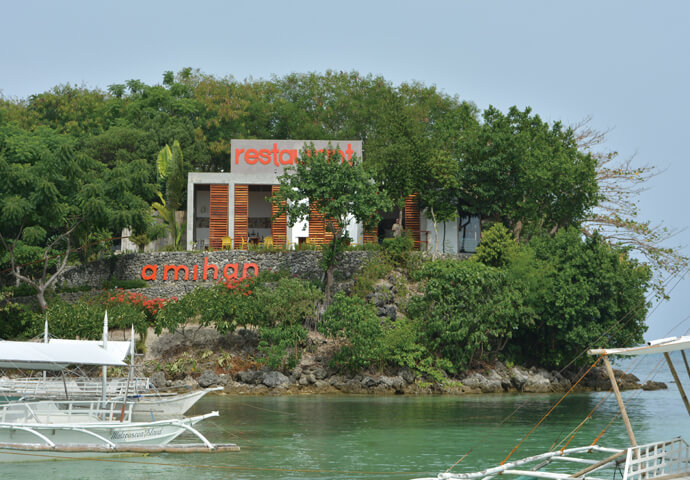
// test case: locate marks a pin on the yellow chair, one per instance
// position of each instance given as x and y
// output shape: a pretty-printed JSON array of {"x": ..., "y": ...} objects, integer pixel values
[
  {"x": 268, "y": 242},
  {"x": 226, "y": 243}
]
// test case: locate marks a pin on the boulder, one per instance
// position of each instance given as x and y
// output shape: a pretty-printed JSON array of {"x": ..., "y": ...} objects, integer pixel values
[
  {"x": 274, "y": 379},
  {"x": 251, "y": 377},
  {"x": 209, "y": 378},
  {"x": 158, "y": 380},
  {"x": 394, "y": 383},
  {"x": 651, "y": 385},
  {"x": 518, "y": 378},
  {"x": 477, "y": 381},
  {"x": 537, "y": 382},
  {"x": 407, "y": 375}
]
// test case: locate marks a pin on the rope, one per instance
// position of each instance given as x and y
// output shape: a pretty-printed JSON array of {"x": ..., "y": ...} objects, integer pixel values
[
  {"x": 576, "y": 430},
  {"x": 551, "y": 410},
  {"x": 633, "y": 366}
]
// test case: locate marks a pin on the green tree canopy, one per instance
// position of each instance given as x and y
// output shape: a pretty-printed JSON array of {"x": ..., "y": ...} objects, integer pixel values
[
  {"x": 584, "y": 293},
  {"x": 339, "y": 190},
  {"x": 527, "y": 172},
  {"x": 51, "y": 196}
]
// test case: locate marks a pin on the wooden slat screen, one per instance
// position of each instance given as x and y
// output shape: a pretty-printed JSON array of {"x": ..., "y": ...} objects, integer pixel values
[
  {"x": 412, "y": 224},
  {"x": 316, "y": 226},
  {"x": 370, "y": 236},
  {"x": 241, "y": 216},
  {"x": 279, "y": 225},
  {"x": 218, "y": 221}
]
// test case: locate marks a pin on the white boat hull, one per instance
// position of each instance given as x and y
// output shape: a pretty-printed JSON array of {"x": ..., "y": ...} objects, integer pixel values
[
  {"x": 84, "y": 426},
  {"x": 132, "y": 433},
  {"x": 159, "y": 407}
]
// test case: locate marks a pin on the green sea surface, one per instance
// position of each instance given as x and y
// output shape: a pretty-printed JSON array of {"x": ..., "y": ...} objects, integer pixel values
[{"x": 387, "y": 437}]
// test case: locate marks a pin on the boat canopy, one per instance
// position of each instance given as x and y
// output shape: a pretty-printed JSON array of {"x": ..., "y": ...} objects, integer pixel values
[
  {"x": 55, "y": 355},
  {"x": 663, "y": 345},
  {"x": 117, "y": 348}
]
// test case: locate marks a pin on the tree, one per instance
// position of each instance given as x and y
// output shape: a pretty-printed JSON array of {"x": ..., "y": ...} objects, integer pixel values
[
  {"x": 440, "y": 192},
  {"x": 588, "y": 294},
  {"x": 615, "y": 216},
  {"x": 339, "y": 190},
  {"x": 468, "y": 312},
  {"x": 52, "y": 196},
  {"x": 528, "y": 173},
  {"x": 171, "y": 169},
  {"x": 398, "y": 152}
]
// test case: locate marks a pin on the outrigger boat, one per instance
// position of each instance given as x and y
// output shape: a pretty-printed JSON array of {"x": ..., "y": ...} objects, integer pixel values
[
  {"x": 51, "y": 429},
  {"x": 71, "y": 428},
  {"x": 663, "y": 460},
  {"x": 149, "y": 403}
]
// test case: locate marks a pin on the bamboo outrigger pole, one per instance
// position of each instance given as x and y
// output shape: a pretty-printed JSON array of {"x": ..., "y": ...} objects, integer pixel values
[
  {"x": 619, "y": 399},
  {"x": 678, "y": 384}
]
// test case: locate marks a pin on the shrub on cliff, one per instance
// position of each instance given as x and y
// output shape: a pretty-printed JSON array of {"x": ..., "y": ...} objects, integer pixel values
[
  {"x": 468, "y": 311},
  {"x": 281, "y": 307},
  {"x": 354, "y": 323},
  {"x": 588, "y": 294}
]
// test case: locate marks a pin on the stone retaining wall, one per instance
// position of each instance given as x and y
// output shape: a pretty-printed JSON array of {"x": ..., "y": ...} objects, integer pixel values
[{"x": 193, "y": 269}]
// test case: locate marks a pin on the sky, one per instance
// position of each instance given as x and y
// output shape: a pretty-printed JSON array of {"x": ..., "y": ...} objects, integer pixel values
[{"x": 624, "y": 64}]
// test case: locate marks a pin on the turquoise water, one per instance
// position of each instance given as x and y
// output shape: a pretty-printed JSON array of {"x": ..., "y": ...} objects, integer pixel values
[{"x": 360, "y": 437}]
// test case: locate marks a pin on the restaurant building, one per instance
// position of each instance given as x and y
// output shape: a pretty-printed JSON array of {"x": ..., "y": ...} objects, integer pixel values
[{"x": 232, "y": 209}]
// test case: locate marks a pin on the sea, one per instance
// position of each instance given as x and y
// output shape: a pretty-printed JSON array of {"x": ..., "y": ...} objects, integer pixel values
[{"x": 391, "y": 437}]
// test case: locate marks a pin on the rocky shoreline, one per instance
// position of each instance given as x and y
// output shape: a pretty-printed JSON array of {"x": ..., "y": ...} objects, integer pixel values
[{"x": 313, "y": 376}]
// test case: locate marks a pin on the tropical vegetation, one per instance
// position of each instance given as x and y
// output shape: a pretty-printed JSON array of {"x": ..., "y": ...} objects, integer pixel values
[{"x": 557, "y": 272}]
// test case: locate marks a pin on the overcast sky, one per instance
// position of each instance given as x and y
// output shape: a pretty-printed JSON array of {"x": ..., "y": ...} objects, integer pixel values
[{"x": 622, "y": 63}]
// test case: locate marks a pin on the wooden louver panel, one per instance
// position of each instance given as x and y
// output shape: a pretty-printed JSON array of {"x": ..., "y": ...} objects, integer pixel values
[
  {"x": 218, "y": 221},
  {"x": 412, "y": 224},
  {"x": 279, "y": 225},
  {"x": 241, "y": 215},
  {"x": 370, "y": 236},
  {"x": 316, "y": 226}
]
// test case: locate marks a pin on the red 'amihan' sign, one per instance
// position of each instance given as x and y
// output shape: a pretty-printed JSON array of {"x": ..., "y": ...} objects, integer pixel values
[{"x": 183, "y": 272}]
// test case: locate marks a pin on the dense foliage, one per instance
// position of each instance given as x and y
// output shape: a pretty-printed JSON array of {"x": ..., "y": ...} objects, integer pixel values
[
  {"x": 469, "y": 311},
  {"x": 79, "y": 165},
  {"x": 340, "y": 190}
]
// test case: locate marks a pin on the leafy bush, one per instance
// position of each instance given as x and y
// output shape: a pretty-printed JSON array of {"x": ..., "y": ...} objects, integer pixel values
[
  {"x": 366, "y": 247},
  {"x": 279, "y": 305},
  {"x": 84, "y": 318},
  {"x": 468, "y": 312},
  {"x": 584, "y": 293},
  {"x": 355, "y": 323},
  {"x": 279, "y": 345},
  {"x": 288, "y": 306},
  {"x": 15, "y": 319},
  {"x": 225, "y": 306},
  {"x": 374, "y": 270},
  {"x": 289, "y": 301},
  {"x": 497, "y": 248},
  {"x": 398, "y": 249},
  {"x": 21, "y": 290},
  {"x": 184, "y": 365}
]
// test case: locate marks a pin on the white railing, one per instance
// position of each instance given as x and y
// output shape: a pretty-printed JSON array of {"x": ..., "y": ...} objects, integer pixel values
[
  {"x": 66, "y": 412},
  {"x": 657, "y": 460},
  {"x": 36, "y": 386}
]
